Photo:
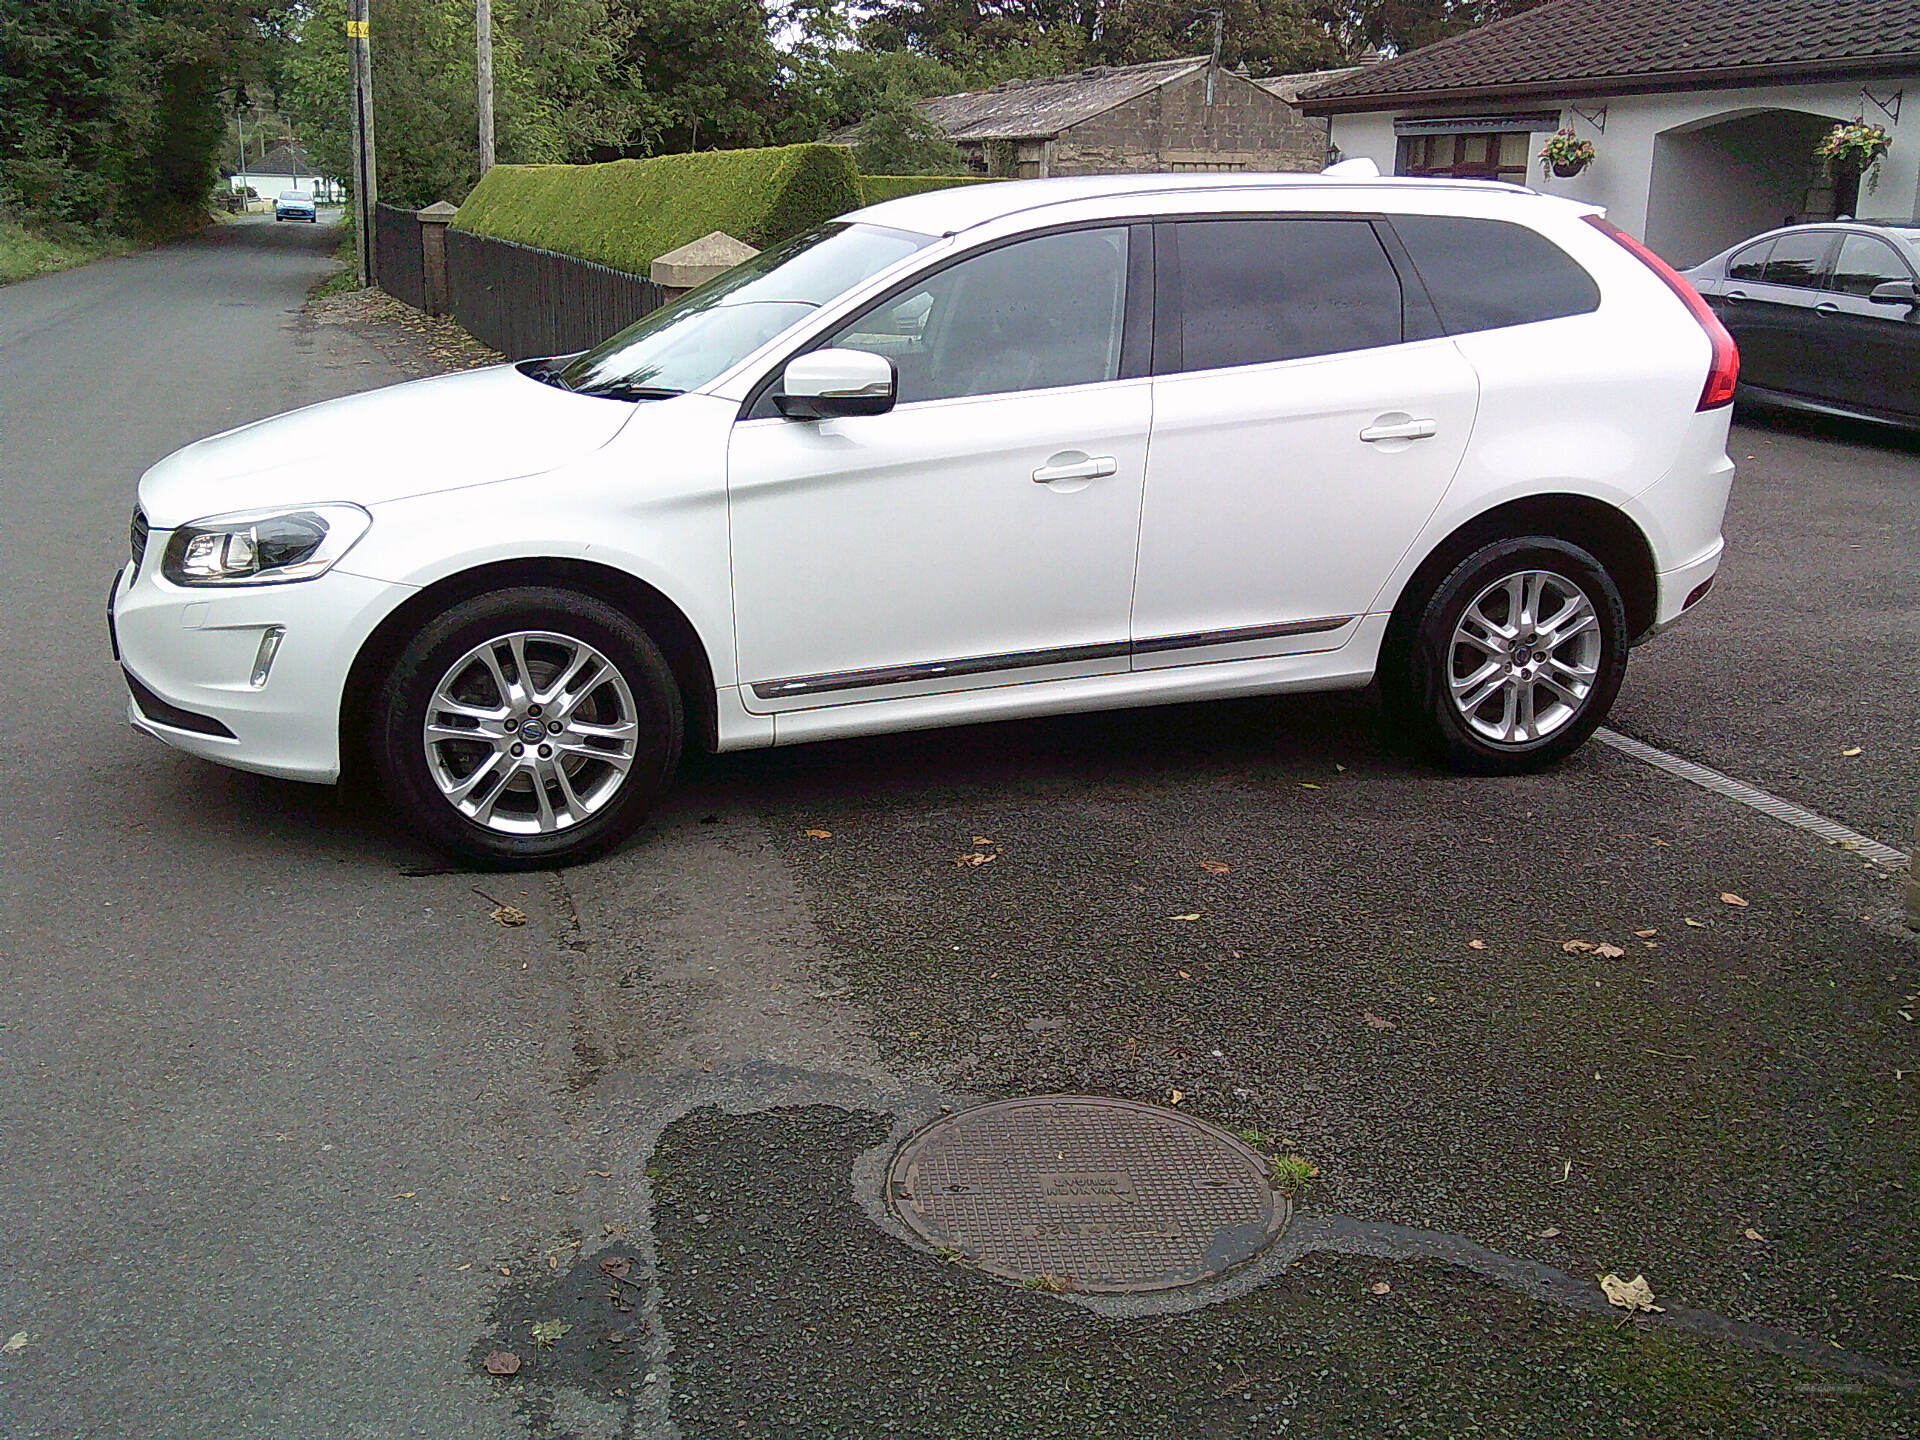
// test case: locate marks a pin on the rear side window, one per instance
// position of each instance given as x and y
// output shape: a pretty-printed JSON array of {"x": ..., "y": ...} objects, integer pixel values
[
  {"x": 1750, "y": 262},
  {"x": 1253, "y": 291},
  {"x": 1484, "y": 274},
  {"x": 1797, "y": 260}
]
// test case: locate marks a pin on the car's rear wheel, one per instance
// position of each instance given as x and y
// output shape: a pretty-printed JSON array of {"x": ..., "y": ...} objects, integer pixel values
[
  {"x": 527, "y": 727},
  {"x": 1514, "y": 659}
]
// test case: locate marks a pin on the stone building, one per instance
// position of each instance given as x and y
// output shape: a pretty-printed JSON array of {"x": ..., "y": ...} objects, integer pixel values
[{"x": 1173, "y": 115}]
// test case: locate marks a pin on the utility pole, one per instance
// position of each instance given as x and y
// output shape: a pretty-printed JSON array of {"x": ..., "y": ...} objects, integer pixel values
[
  {"x": 483, "y": 31},
  {"x": 1213, "y": 61},
  {"x": 365, "y": 192},
  {"x": 240, "y": 122}
]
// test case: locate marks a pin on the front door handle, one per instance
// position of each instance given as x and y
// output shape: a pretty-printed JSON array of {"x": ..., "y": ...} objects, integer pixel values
[
  {"x": 1092, "y": 468},
  {"x": 1405, "y": 430},
  {"x": 1826, "y": 307}
]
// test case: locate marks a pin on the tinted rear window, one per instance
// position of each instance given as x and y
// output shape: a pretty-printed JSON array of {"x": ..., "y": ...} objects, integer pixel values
[
  {"x": 1750, "y": 262},
  {"x": 1483, "y": 274},
  {"x": 1252, "y": 291},
  {"x": 1798, "y": 259}
]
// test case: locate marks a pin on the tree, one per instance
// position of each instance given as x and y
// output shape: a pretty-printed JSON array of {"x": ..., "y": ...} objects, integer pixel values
[
  {"x": 707, "y": 69},
  {"x": 1398, "y": 26},
  {"x": 898, "y": 138}
]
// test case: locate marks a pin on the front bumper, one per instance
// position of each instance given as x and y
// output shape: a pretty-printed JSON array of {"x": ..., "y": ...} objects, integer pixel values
[{"x": 190, "y": 657}]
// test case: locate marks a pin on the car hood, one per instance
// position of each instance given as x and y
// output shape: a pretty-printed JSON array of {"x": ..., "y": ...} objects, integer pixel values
[{"x": 412, "y": 439}]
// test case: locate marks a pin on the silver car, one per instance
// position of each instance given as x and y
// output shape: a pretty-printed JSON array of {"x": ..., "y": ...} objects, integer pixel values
[{"x": 295, "y": 205}]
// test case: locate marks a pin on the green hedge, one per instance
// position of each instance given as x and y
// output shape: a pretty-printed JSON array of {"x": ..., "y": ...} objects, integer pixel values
[
  {"x": 626, "y": 213},
  {"x": 875, "y": 188}
]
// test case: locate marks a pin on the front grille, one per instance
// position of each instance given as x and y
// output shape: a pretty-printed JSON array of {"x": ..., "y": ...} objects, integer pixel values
[{"x": 139, "y": 536}]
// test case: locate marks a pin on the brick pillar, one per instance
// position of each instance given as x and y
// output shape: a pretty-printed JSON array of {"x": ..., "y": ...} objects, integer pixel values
[{"x": 433, "y": 252}]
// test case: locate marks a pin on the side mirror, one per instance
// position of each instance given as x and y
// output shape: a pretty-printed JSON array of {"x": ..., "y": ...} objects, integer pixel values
[
  {"x": 1894, "y": 292},
  {"x": 828, "y": 383}
]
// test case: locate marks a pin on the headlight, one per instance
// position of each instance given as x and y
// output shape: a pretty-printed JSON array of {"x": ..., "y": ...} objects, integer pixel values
[{"x": 263, "y": 547}]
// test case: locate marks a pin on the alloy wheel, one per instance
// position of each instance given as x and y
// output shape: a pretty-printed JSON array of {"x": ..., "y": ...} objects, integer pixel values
[
  {"x": 1524, "y": 657},
  {"x": 531, "y": 732}
]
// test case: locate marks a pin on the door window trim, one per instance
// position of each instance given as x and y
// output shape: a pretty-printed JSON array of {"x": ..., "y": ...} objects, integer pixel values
[{"x": 1136, "y": 324}]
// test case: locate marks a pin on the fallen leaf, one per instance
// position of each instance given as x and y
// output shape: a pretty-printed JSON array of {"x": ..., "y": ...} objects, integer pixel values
[
  {"x": 1378, "y": 1022},
  {"x": 1183, "y": 917},
  {"x": 1608, "y": 952},
  {"x": 1174, "y": 1097},
  {"x": 974, "y": 857},
  {"x": 601, "y": 1174},
  {"x": 1550, "y": 1233},
  {"x": 16, "y": 1342},
  {"x": 618, "y": 1266},
  {"x": 981, "y": 840},
  {"x": 1696, "y": 924},
  {"x": 1645, "y": 934},
  {"x": 1635, "y": 1294},
  {"x": 1576, "y": 947},
  {"x": 1727, "y": 897},
  {"x": 1214, "y": 867},
  {"x": 1380, "y": 1287},
  {"x": 1476, "y": 944},
  {"x": 818, "y": 834},
  {"x": 1183, "y": 975},
  {"x": 1308, "y": 785},
  {"x": 502, "y": 1362},
  {"x": 547, "y": 1332},
  {"x": 1855, "y": 750},
  {"x": 467, "y": 1266},
  {"x": 403, "y": 1195},
  {"x": 1753, "y": 1234},
  {"x": 509, "y": 915}
]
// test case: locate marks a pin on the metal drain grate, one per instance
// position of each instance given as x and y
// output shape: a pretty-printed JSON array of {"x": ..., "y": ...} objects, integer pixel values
[{"x": 1081, "y": 1193}]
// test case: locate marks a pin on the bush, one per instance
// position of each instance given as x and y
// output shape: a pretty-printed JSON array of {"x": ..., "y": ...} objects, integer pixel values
[
  {"x": 626, "y": 213},
  {"x": 875, "y": 188}
]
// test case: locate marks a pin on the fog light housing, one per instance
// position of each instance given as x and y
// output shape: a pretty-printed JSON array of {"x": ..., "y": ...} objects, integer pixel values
[{"x": 263, "y": 658}]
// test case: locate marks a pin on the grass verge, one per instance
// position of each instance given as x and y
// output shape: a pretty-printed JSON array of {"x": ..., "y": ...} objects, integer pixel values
[{"x": 25, "y": 253}]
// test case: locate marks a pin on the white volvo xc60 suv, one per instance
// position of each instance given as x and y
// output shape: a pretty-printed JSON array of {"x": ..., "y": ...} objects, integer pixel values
[{"x": 1006, "y": 450}]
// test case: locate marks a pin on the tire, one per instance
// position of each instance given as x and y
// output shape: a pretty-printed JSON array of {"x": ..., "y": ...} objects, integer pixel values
[
  {"x": 568, "y": 794},
  {"x": 1530, "y": 712}
]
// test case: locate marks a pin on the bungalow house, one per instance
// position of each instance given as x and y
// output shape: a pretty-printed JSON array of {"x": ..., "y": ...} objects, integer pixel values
[
  {"x": 1172, "y": 115},
  {"x": 1704, "y": 114},
  {"x": 283, "y": 168}
]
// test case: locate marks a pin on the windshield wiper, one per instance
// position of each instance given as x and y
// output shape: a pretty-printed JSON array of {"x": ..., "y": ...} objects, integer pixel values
[
  {"x": 615, "y": 390},
  {"x": 547, "y": 372}
]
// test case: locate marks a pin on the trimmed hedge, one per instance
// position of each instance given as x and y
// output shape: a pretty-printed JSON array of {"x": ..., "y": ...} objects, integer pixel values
[
  {"x": 876, "y": 188},
  {"x": 626, "y": 213}
]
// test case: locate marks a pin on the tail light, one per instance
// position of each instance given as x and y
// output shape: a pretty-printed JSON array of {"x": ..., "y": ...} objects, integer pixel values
[{"x": 1725, "y": 368}]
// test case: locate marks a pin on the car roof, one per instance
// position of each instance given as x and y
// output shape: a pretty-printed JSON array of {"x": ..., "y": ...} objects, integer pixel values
[
  {"x": 961, "y": 207},
  {"x": 1904, "y": 231}
]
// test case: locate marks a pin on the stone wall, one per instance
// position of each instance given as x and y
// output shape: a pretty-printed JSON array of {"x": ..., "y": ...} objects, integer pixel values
[{"x": 1171, "y": 128}]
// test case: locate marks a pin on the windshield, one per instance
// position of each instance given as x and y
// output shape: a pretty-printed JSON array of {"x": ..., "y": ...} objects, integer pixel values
[{"x": 706, "y": 332}]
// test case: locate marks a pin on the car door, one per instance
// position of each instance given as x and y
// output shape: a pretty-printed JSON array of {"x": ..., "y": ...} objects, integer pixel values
[
  {"x": 1780, "y": 335},
  {"x": 1871, "y": 358},
  {"x": 1300, "y": 441},
  {"x": 983, "y": 531},
  {"x": 1731, "y": 297}
]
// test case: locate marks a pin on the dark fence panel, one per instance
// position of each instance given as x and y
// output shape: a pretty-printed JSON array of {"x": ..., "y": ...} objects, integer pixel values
[
  {"x": 523, "y": 301},
  {"x": 398, "y": 267}
]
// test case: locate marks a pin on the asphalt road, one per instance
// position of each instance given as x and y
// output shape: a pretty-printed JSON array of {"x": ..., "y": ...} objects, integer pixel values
[{"x": 295, "y": 1134}]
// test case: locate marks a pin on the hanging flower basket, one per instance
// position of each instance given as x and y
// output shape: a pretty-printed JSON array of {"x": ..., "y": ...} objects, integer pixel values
[
  {"x": 1850, "y": 148},
  {"x": 1566, "y": 154}
]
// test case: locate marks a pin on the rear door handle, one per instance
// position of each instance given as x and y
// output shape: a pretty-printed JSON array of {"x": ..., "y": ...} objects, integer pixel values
[
  {"x": 1406, "y": 430},
  {"x": 1735, "y": 295},
  {"x": 1826, "y": 307},
  {"x": 1092, "y": 468}
]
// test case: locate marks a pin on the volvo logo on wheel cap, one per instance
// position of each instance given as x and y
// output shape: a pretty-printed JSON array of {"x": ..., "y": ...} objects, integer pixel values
[{"x": 532, "y": 729}]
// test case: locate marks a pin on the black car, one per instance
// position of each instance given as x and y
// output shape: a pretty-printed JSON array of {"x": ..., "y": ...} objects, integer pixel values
[{"x": 1826, "y": 318}]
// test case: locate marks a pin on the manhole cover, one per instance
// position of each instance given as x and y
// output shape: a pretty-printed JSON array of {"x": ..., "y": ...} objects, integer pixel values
[{"x": 1078, "y": 1193}]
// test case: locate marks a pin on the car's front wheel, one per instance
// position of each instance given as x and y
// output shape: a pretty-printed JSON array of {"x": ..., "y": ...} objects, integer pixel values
[
  {"x": 1515, "y": 658},
  {"x": 527, "y": 727}
]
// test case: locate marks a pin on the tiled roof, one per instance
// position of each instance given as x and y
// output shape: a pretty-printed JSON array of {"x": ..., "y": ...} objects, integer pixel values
[
  {"x": 1291, "y": 87},
  {"x": 1041, "y": 109},
  {"x": 1590, "y": 46}
]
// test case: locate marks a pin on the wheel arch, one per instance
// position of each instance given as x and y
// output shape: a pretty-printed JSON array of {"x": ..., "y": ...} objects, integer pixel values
[
  {"x": 659, "y": 616},
  {"x": 1605, "y": 531}
]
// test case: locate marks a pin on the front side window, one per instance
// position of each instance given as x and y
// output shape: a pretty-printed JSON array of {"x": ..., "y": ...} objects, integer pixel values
[
  {"x": 707, "y": 332},
  {"x": 1797, "y": 260},
  {"x": 1483, "y": 274},
  {"x": 1252, "y": 291},
  {"x": 1865, "y": 263},
  {"x": 1032, "y": 315}
]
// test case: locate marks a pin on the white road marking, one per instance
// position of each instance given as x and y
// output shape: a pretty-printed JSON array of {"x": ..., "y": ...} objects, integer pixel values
[{"x": 1832, "y": 831}]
